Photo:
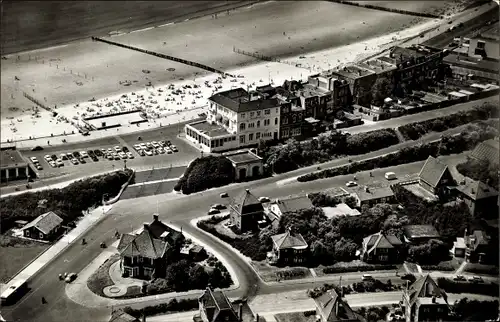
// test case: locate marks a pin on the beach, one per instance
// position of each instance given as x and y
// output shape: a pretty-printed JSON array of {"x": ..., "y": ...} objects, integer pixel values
[{"x": 68, "y": 76}]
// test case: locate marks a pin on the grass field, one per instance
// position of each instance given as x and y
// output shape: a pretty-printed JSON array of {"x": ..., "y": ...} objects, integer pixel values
[{"x": 14, "y": 258}]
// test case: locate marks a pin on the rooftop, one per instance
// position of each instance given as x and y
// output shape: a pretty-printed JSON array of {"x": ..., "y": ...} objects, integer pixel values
[
  {"x": 421, "y": 231},
  {"x": 242, "y": 157},
  {"x": 476, "y": 190},
  {"x": 371, "y": 193},
  {"x": 378, "y": 66},
  {"x": 238, "y": 100},
  {"x": 340, "y": 210},
  {"x": 45, "y": 222},
  {"x": 492, "y": 32},
  {"x": 294, "y": 204},
  {"x": 211, "y": 130},
  {"x": 482, "y": 65},
  {"x": 488, "y": 151},
  {"x": 432, "y": 171},
  {"x": 10, "y": 158},
  {"x": 289, "y": 240},
  {"x": 353, "y": 72},
  {"x": 402, "y": 54}
]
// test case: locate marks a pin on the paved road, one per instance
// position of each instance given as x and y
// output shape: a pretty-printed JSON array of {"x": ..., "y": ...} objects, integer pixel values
[{"x": 129, "y": 214}]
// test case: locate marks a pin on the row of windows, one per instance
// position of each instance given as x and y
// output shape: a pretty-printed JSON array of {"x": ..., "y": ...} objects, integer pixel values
[
  {"x": 252, "y": 125},
  {"x": 294, "y": 132},
  {"x": 220, "y": 142},
  {"x": 266, "y": 112},
  {"x": 258, "y": 136}
]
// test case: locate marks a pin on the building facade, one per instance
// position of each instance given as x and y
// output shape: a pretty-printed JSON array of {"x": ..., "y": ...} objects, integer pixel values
[
  {"x": 381, "y": 248},
  {"x": 46, "y": 227},
  {"x": 13, "y": 166},
  {"x": 247, "y": 165},
  {"x": 436, "y": 178},
  {"x": 289, "y": 248},
  {"x": 245, "y": 212},
  {"x": 425, "y": 301}
]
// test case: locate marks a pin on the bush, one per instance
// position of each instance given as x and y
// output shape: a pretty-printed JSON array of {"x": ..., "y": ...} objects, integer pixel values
[
  {"x": 480, "y": 170},
  {"x": 205, "y": 173},
  {"x": 447, "y": 145},
  {"x": 291, "y": 273},
  {"x": 321, "y": 199},
  {"x": 481, "y": 269},
  {"x": 450, "y": 286},
  {"x": 474, "y": 310},
  {"x": 362, "y": 268},
  {"x": 445, "y": 266},
  {"x": 414, "y": 131},
  {"x": 68, "y": 202},
  {"x": 169, "y": 307}
]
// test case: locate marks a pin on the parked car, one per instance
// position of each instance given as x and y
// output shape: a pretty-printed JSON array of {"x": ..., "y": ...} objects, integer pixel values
[
  {"x": 367, "y": 277},
  {"x": 161, "y": 150},
  {"x": 38, "y": 166},
  {"x": 141, "y": 153},
  {"x": 130, "y": 155},
  {"x": 82, "y": 160},
  {"x": 264, "y": 199},
  {"x": 224, "y": 195},
  {"x": 34, "y": 159},
  {"x": 53, "y": 164},
  {"x": 76, "y": 154},
  {"x": 47, "y": 157},
  {"x": 110, "y": 157},
  {"x": 390, "y": 176},
  {"x": 476, "y": 279},
  {"x": 59, "y": 163},
  {"x": 218, "y": 206},
  {"x": 174, "y": 148},
  {"x": 168, "y": 143},
  {"x": 75, "y": 161},
  {"x": 70, "y": 278},
  {"x": 168, "y": 150},
  {"x": 149, "y": 152},
  {"x": 351, "y": 184},
  {"x": 213, "y": 211},
  {"x": 459, "y": 278},
  {"x": 63, "y": 156}
]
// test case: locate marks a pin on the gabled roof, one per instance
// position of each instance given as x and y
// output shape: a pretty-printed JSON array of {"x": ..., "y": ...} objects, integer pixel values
[
  {"x": 125, "y": 240},
  {"x": 121, "y": 316},
  {"x": 294, "y": 204},
  {"x": 333, "y": 308},
  {"x": 45, "y": 222},
  {"x": 289, "y": 240},
  {"x": 477, "y": 238},
  {"x": 216, "y": 301},
  {"x": 424, "y": 286},
  {"x": 421, "y": 231},
  {"x": 487, "y": 151},
  {"x": 477, "y": 190},
  {"x": 379, "y": 240},
  {"x": 432, "y": 171},
  {"x": 238, "y": 101},
  {"x": 246, "y": 200},
  {"x": 160, "y": 230},
  {"x": 144, "y": 245}
]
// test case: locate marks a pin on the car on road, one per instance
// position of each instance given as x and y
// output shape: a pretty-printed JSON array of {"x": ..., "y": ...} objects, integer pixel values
[
  {"x": 75, "y": 161},
  {"x": 218, "y": 206},
  {"x": 70, "y": 278},
  {"x": 174, "y": 148},
  {"x": 351, "y": 184},
  {"x": 459, "y": 278},
  {"x": 476, "y": 279},
  {"x": 37, "y": 148},
  {"x": 390, "y": 176},
  {"x": 367, "y": 277},
  {"x": 213, "y": 211},
  {"x": 224, "y": 195},
  {"x": 264, "y": 199}
]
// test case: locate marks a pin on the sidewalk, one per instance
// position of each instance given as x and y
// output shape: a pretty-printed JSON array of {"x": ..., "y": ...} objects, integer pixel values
[{"x": 52, "y": 252}]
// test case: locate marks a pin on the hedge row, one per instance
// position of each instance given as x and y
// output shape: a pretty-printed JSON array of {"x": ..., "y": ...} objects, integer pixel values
[
  {"x": 68, "y": 202},
  {"x": 291, "y": 273},
  {"x": 414, "y": 131},
  {"x": 450, "y": 286},
  {"x": 440, "y": 267},
  {"x": 480, "y": 269},
  {"x": 446, "y": 146},
  {"x": 361, "y": 268},
  {"x": 169, "y": 307}
]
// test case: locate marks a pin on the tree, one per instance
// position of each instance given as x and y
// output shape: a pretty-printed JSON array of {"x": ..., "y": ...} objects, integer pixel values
[
  {"x": 432, "y": 252},
  {"x": 198, "y": 277},
  {"x": 381, "y": 90},
  {"x": 178, "y": 274}
]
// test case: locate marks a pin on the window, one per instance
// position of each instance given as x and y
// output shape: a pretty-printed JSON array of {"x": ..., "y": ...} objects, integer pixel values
[
  {"x": 258, "y": 113},
  {"x": 234, "y": 138},
  {"x": 27, "y": 232},
  {"x": 294, "y": 118},
  {"x": 257, "y": 135},
  {"x": 258, "y": 123},
  {"x": 285, "y": 133},
  {"x": 242, "y": 139},
  {"x": 252, "y": 114},
  {"x": 225, "y": 139},
  {"x": 140, "y": 259},
  {"x": 250, "y": 137},
  {"x": 242, "y": 127},
  {"x": 40, "y": 235},
  {"x": 480, "y": 45},
  {"x": 251, "y": 125},
  {"x": 277, "y": 110},
  {"x": 267, "y": 112},
  {"x": 242, "y": 115},
  {"x": 266, "y": 122},
  {"x": 275, "y": 121},
  {"x": 285, "y": 120}
]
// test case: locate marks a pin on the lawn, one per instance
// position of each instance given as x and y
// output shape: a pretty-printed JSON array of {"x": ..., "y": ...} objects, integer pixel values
[
  {"x": 294, "y": 317},
  {"x": 100, "y": 278},
  {"x": 17, "y": 253},
  {"x": 269, "y": 273}
]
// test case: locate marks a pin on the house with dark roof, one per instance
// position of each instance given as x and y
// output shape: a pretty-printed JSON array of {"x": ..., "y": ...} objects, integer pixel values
[
  {"x": 419, "y": 234},
  {"x": 145, "y": 254},
  {"x": 477, "y": 246},
  {"x": 121, "y": 316},
  {"x": 381, "y": 248},
  {"x": 423, "y": 300},
  {"x": 246, "y": 211},
  {"x": 436, "y": 178},
  {"x": 330, "y": 307},
  {"x": 214, "y": 306},
  {"x": 487, "y": 151},
  {"x": 288, "y": 248},
  {"x": 371, "y": 196},
  {"x": 278, "y": 207},
  {"x": 45, "y": 227},
  {"x": 478, "y": 196}
]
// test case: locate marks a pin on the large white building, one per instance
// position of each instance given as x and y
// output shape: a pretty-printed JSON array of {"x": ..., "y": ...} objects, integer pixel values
[{"x": 236, "y": 118}]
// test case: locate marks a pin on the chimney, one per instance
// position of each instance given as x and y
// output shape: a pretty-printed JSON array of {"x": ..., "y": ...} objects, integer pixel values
[
  {"x": 257, "y": 318},
  {"x": 359, "y": 72},
  {"x": 146, "y": 225},
  {"x": 155, "y": 217},
  {"x": 434, "y": 299},
  {"x": 366, "y": 189},
  {"x": 472, "y": 191},
  {"x": 240, "y": 312}
]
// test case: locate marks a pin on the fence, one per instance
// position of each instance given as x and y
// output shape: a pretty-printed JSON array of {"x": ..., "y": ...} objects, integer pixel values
[
  {"x": 266, "y": 58},
  {"x": 172, "y": 58},
  {"x": 405, "y": 12}
]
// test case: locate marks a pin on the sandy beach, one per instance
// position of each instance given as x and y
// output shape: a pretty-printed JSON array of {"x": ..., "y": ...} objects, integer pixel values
[{"x": 68, "y": 76}]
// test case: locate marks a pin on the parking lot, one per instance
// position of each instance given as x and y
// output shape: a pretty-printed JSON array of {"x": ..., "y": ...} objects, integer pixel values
[{"x": 88, "y": 159}]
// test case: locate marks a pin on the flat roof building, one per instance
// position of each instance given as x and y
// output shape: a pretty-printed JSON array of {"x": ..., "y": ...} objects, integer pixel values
[{"x": 13, "y": 166}]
